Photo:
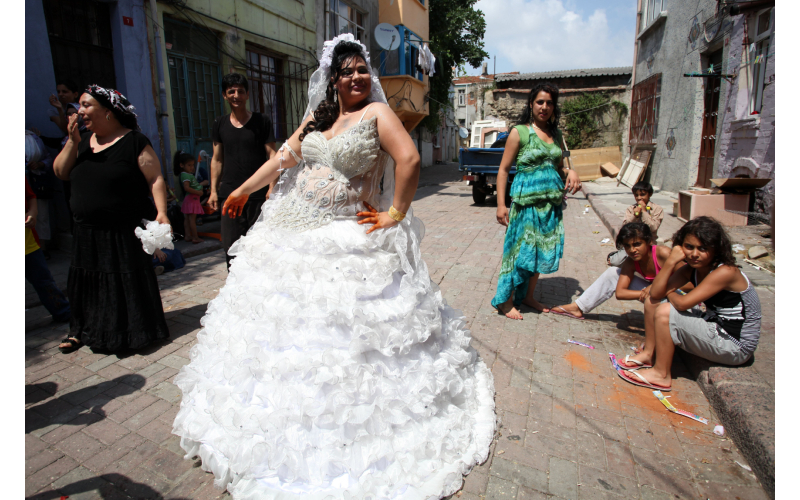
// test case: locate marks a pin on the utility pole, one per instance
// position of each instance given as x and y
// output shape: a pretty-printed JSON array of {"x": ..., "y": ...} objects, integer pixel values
[{"x": 494, "y": 71}]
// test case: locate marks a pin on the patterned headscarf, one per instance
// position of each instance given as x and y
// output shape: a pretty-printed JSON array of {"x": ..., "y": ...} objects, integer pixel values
[{"x": 111, "y": 99}]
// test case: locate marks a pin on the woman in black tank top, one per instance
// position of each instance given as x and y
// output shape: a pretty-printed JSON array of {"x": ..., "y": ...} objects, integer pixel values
[{"x": 726, "y": 332}]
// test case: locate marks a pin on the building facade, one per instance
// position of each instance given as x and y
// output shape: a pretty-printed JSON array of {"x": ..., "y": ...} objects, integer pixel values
[
  {"x": 405, "y": 85},
  {"x": 509, "y": 99},
  {"x": 273, "y": 43},
  {"x": 715, "y": 69}
]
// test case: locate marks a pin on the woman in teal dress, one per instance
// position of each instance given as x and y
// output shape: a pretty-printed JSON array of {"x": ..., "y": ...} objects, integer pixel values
[{"x": 534, "y": 240}]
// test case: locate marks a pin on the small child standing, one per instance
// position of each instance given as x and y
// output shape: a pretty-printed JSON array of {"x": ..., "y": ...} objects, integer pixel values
[
  {"x": 183, "y": 165},
  {"x": 642, "y": 211},
  {"x": 726, "y": 332}
]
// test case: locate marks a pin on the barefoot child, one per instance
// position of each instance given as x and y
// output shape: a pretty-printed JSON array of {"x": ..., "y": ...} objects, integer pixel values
[
  {"x": 631, "y": 281},
  {"x": 727, "y": 332},
  {"x": 183, "y": 166},
  {"x": 642, "y": 211}
]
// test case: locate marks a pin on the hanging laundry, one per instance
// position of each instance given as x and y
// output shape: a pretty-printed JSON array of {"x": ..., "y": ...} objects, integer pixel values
[{"x": 426, "y": 59}]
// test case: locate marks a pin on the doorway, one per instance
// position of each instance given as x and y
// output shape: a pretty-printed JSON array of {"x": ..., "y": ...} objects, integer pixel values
[{"x": 708, "y": 144}]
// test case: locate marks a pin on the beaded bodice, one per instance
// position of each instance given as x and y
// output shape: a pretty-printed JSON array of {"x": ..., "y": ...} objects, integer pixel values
[{"x": 339, "y": 174}]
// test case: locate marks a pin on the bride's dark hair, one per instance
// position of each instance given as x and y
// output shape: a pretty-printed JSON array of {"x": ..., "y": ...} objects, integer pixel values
[{"x": 328, "y": 110}]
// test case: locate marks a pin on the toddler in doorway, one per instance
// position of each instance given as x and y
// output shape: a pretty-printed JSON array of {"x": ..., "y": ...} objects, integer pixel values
[
  {"x": 726, "y": 332},
  {"x": 643, "y": 211},
  {"x": 183, "y": 165}
]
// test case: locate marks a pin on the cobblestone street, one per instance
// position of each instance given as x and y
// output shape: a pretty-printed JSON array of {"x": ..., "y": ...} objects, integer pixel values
[{"x": 98, "y": 426}]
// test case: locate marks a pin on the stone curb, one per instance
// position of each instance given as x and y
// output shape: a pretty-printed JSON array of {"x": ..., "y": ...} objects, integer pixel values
[
  {"x": 746, "y": 408},
  {"x": 745, "y": 405}
]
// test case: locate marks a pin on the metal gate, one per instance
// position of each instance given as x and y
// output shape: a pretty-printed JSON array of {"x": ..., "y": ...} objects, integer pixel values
[{"x": 80, "y": 41}]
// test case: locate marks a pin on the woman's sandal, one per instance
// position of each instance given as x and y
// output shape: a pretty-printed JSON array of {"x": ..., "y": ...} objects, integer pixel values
[
  {"x": 565, "y": 313},
  {"x": 642, "y": 382},
  {"x": 629, "y": 361},
  {"x": 74, "y": 345}
]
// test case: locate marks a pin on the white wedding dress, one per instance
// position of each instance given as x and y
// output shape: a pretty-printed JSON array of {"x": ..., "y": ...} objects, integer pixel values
[{"x": 329, "y": 365}]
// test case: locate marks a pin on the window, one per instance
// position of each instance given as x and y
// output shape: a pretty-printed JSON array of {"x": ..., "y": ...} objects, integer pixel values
[
  {"x": 341, "y": 17},
  {"x": 403, "y": 60},
  {"x": 757, "y": 56},
  {"x": 461, "y": 101},
  {"x": 277, "y": 89},
  {"x": 80, "y": 41},
  {"x": 650, "y": 10},
  {"x": 645, "y": 104}
]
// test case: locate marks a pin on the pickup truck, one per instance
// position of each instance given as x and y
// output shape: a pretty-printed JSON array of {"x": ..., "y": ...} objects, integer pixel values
[{"x": 480, "y": 167}]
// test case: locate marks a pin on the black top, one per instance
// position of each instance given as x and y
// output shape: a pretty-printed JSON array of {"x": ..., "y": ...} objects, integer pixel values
[
  {"x": 108, "y": 188},
  {"x": 243, "y": 151}
]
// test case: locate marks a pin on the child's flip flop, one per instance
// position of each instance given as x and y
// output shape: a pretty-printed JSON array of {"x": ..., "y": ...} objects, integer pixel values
[
  {"x": 565, "y": 313},
  {"x": 629, "y": 361},
  {"x": 642, "y": 382}
]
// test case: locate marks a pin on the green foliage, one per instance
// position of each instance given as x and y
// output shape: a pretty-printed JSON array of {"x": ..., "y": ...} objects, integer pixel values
[
  {"x": 581, "y": 117},
  {"x": 457, "y": 30}
]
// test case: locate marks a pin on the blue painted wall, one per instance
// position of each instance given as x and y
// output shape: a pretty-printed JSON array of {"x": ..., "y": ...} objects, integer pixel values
[
  {"x": 40, "y": 79},
  {"x": 132, "y": 65}
]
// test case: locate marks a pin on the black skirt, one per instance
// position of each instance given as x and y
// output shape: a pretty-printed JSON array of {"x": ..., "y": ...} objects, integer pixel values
[{"x": 113, "y": 290}]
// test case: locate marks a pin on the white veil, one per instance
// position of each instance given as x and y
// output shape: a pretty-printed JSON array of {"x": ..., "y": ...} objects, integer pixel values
[{"x": 317, "y": 86}]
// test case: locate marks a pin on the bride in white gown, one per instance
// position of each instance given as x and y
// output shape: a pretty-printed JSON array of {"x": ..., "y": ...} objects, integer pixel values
[{"x": 329, "y": 365}]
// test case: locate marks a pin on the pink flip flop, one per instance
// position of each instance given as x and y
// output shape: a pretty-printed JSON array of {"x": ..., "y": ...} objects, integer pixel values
[
  {"x": 642, "y": 382},
  {"x": 628, "y": 361},
  {"x": 565, "y": 313}
]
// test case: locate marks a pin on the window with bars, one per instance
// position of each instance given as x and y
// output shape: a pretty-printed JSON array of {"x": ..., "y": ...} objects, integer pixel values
[
  {"x": 341, "y": 17},
  {"x": 645, "y": 104},
  {"x": 758, "y": 58},
  {"x": 80, "y": 41},
  {"x": 278, "y": 89}
]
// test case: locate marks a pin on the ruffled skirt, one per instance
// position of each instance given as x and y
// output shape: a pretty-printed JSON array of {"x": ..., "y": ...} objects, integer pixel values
[
  {"x": 330, "y": 366},
  {"x": 113, "y": 291}
]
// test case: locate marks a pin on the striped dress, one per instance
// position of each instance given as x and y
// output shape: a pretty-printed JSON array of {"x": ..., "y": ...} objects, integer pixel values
[{"x": 534, "y": 240}]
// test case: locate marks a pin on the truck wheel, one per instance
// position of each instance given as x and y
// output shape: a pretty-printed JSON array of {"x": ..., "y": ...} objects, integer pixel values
[{"x": 478, "y": 195}]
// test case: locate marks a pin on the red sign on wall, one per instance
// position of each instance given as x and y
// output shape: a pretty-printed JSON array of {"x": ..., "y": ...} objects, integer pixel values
[{"x": 127, "y": 21}]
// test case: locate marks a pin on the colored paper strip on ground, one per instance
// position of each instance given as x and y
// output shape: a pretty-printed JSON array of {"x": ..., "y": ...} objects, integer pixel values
[
  {"x": 580, "y": 343},
  {"x": 671, "y": 408}
]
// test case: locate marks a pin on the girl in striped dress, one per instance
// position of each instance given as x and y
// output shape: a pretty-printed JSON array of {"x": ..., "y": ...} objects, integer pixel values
[
  {"x": 726, "y": 332},
  {"x": 534, "y": 241}
]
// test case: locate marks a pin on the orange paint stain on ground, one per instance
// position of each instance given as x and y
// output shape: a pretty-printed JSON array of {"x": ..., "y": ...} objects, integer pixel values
[{"x": 579, "y": 361}]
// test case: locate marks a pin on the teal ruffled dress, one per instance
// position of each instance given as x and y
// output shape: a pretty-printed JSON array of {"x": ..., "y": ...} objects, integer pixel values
[{"x": 534, "y": 240}]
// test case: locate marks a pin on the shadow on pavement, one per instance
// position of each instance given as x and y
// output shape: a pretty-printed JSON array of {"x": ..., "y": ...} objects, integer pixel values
[
  {"x": 108, "y": 486},
  {"x": 62, "y": 410}
]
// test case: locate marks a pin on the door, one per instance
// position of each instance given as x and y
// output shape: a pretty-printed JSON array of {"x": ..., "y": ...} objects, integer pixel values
[
  {"x": 708, "y": 144},
  {"x": 80, "y": 41}
]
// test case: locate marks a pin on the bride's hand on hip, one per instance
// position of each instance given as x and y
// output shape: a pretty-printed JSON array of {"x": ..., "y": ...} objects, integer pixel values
[
  {"x": 379, "y": 220},
  {"x": 234, "y": 204}
]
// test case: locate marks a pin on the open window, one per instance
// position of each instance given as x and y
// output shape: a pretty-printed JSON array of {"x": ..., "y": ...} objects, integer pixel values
[
  {"x": 403, "y": 60},
  {"x": 757, "y": 55}
]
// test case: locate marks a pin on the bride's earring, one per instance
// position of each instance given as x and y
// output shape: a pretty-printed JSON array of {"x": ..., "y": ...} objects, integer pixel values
[{"x": 335, "y": 96}]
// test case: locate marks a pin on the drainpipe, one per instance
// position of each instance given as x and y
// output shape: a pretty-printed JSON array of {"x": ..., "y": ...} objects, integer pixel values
[
  {"x": 635, "y": 53},
  {"x": 162, "y": 96}
]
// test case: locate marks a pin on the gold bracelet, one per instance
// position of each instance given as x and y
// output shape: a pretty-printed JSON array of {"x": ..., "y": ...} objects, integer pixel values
[{"x": 396, "y": 214}]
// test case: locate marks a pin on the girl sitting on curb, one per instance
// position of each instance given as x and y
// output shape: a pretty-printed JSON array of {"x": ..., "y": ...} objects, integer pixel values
[
  {"x": 729, "y": 329},
  {"x": 629, "y": 282}
]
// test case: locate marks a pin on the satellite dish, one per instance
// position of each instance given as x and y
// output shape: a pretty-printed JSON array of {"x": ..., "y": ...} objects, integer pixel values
[
  {"x": 463, "y": 132},
  {"x": 387, "y": 36}
]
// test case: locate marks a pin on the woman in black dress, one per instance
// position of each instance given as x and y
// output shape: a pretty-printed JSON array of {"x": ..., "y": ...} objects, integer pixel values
[{"x": 114, "y": 171}]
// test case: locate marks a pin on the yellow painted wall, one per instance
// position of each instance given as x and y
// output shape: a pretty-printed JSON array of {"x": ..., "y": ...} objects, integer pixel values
[
  {"x": 414, "y": 16},
  {"x": 409, "y": 13},
  {"x": 290, "y": 21}
]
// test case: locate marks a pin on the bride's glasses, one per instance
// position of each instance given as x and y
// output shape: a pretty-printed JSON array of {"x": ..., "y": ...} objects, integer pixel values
[{"x": 349, "y": 73}]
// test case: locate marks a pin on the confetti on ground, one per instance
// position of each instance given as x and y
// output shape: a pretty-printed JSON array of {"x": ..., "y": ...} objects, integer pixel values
[
  {"x": 679, "y": 412},
  {"x": 743, "y": 466},
  {"x": 580, "y": 343}
]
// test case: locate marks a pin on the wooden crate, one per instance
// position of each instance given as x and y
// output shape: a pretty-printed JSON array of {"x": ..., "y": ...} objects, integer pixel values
[{"x": 587, "y": 162}]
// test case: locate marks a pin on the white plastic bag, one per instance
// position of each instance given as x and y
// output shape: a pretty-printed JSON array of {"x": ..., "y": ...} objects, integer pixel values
[
  {"x": 33, "y": 148},
  {"x": 155, "y": 236}
]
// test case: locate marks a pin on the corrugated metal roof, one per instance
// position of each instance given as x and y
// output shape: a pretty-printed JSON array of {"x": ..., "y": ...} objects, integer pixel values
[{"x": 571, "y": 73}]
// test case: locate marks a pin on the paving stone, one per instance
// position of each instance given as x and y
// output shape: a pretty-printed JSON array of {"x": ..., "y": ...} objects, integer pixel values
[
  {"x": 498, "y": 489},
  {"x": 519, "y": 474},
  {"x": 47, "y": 475},
  {"x": 608, "y": 482},
  {"x": 563, "y": 478},
  {"x": 41, "y": 460},
  {"x": 106, "y": 431}
]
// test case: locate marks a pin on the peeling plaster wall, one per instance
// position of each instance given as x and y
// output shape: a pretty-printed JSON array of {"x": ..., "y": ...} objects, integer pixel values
[{"x": 747, "y": 143}]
